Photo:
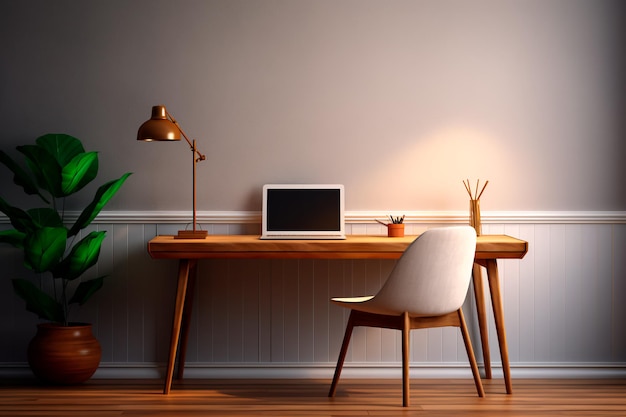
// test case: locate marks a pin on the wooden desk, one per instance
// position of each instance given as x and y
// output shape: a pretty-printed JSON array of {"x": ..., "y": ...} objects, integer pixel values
[{"x": 489, "y": 248}]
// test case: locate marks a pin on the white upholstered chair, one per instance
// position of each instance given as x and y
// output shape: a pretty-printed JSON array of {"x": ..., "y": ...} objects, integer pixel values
[{"x": 426, "y": 288}]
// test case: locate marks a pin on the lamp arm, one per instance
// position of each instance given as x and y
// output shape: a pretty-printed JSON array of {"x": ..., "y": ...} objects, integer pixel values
[{"x": 201, "y": 157}]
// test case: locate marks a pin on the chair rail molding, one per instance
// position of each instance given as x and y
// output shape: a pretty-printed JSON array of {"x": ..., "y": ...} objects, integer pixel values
[{"x": 362, "y": 217}]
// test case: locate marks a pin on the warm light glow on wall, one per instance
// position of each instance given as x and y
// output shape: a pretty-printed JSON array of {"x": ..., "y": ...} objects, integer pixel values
[{"x": 429, "y": 173}]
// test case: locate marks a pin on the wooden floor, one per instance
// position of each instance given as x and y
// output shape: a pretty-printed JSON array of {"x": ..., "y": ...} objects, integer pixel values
[{"x": 429, "y": 397}]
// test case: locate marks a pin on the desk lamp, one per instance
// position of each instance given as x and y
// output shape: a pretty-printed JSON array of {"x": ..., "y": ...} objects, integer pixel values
[{"x": 163, "y": 127}]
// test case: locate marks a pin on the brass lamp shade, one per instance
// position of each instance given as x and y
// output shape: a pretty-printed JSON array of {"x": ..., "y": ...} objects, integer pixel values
[{"x": 158, "y": 127}]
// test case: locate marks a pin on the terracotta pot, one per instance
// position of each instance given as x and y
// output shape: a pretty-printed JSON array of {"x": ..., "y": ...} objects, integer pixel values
[
  {"x": 64, "y": 355},
  {"x": 395, "y": 229}
]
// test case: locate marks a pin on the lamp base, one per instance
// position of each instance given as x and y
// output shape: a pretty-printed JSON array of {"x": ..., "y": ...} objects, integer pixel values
[{"x": 191, "y": 234}]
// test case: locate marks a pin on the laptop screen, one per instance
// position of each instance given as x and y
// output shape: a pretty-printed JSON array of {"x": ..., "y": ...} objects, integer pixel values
[{"x": 301, "y": 211}]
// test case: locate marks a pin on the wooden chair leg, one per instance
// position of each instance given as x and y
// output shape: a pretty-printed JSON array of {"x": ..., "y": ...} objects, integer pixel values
[
  {"x": 342, "y": 355},
  {"x": 406, "y": 331},
  {"x": 470, "y": 354},
  {"x": 481, "y": 310}
]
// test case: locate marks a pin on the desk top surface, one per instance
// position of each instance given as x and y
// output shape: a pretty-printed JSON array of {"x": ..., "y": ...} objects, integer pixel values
[{"x": 353, "y": 247}]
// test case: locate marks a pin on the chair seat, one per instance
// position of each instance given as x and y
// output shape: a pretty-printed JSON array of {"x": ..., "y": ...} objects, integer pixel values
[{"x": 351, "y": 300}]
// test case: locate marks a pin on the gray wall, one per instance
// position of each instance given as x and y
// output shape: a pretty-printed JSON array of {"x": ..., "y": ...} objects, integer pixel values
[{"x": 398, "y": 100}]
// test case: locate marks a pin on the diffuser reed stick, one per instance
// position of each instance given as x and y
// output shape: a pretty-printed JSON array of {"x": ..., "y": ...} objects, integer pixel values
[{"x": 476, "y": 195}]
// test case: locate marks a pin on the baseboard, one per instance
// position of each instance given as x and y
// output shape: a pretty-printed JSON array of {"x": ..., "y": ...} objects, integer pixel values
[{"x": 325, "y": 371}]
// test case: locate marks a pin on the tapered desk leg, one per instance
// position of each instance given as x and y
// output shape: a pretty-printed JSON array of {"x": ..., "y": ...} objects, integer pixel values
[
  {"x": 498, "y": 314},
  {"x": 183, "y": 276},
  {"x": 188, "y": 309},
  {"x": 481, "y": 309}
]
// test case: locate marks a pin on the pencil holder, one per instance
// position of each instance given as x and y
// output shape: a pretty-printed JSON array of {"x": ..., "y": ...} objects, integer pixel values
[
  {"x": 474, "y": 216},
  {"x": 395, "y": 230}
]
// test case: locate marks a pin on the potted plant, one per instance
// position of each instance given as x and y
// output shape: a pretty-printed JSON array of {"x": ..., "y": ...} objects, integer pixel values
[{"x": 57, "y": 167}]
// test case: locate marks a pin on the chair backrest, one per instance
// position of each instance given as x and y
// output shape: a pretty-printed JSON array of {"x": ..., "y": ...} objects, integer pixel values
[{"x": 432, "y": 276}]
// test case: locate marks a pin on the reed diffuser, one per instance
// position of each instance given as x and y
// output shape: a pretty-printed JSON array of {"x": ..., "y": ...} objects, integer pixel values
[{"x": 474, "y": 209}]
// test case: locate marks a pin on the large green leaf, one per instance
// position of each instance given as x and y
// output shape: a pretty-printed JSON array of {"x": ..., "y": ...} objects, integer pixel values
[
  {"x": 83, "y": 256},
  {"x": 45, "y": 217},
  {"x": 21, "y": 177},
  {"x": 80, "y": 171},
  {"x": 38, "y": 302},
  {"x": 12, "y": 237},
  {"x": 43, "y": 248},
  {"x": 85, "y": 290},
  {"x": 102, "y": 197},
  {"x": 45, "y": 167},
  {"x": 18, "y": 217},
  {"x": 62, "y": 147}
]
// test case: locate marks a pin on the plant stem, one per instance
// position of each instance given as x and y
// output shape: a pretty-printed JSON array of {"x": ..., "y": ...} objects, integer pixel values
[{"x": 64, "y": 302}]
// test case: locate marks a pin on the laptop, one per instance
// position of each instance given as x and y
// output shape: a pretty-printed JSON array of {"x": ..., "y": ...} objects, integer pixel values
[{"x": 303, "y": 211}]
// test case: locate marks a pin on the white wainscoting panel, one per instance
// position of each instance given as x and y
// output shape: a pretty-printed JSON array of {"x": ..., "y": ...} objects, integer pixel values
[{"x": 564, "y": 303}]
